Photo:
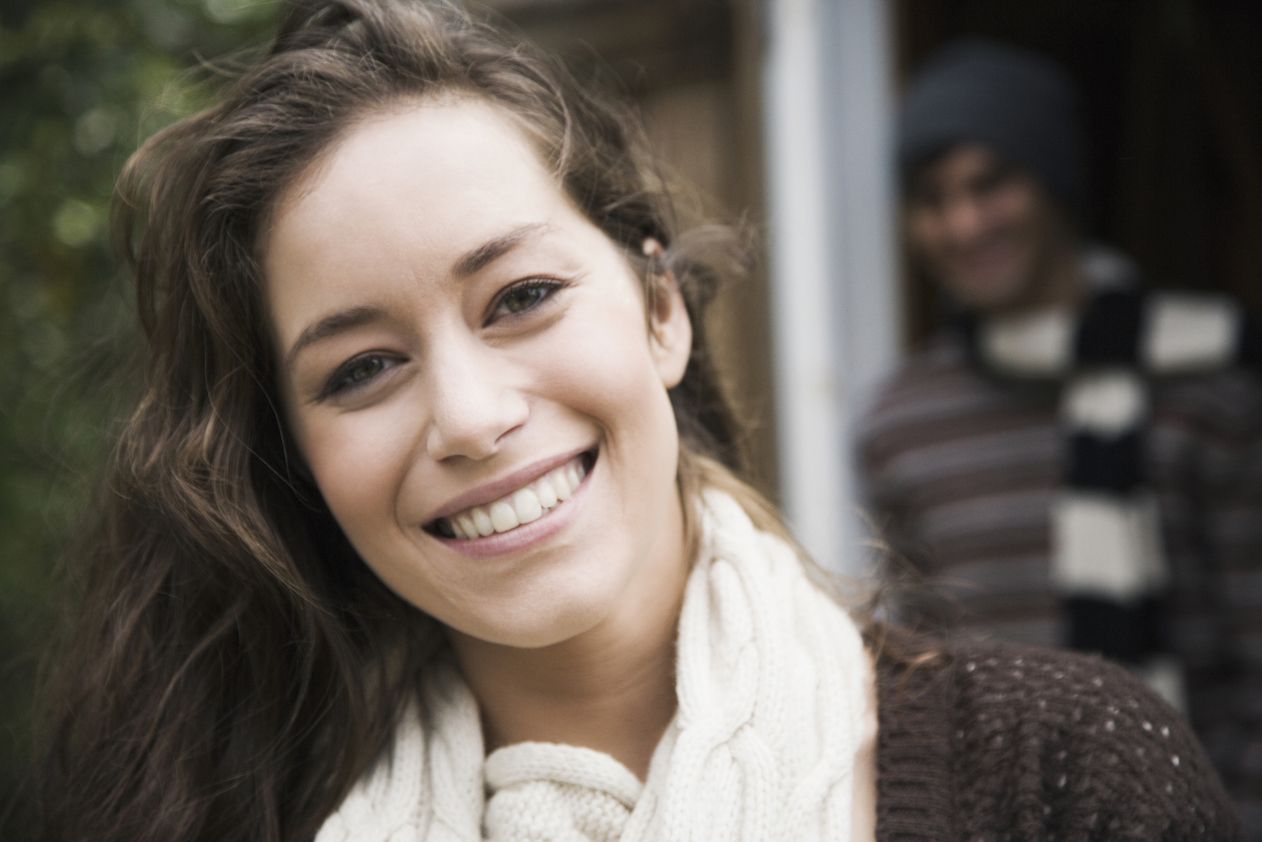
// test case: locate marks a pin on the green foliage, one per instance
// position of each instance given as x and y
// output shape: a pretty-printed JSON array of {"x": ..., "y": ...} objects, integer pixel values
[{"x": 83, "y": 82}]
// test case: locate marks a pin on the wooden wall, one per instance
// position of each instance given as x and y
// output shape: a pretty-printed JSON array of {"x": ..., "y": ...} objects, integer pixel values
[{"x": 691, "y": 68}]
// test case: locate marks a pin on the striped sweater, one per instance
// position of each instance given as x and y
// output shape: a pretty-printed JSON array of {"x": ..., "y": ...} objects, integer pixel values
[{"x": 961, "y": 472}]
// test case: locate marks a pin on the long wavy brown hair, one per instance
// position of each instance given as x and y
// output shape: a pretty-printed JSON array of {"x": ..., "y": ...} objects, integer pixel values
[{"x": 233, "y": 666}]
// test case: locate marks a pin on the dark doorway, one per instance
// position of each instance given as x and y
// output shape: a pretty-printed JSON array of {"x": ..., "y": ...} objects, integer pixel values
[{"x": 1172, "y": 101}]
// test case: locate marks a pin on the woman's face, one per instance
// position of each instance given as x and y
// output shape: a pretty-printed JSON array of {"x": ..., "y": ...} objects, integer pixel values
[{"x": 469, "y": 373}]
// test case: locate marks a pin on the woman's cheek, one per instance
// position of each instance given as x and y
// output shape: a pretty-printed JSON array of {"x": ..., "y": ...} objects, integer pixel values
[
  {"x": 605, "y": 352},
  {"x": 359, "y": 460}
]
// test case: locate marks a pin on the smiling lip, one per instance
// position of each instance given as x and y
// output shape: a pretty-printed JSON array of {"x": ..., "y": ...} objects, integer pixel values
[
  {"x": 521, "y": 506},
  {"x": 983, "y": 254},
  {"x": 530, "y": 534},
  {"x": 494, "y": 490}
]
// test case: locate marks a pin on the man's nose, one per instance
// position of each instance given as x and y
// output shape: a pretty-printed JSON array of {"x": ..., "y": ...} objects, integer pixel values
[
  {"x": 963, "y": 218},
  {"x": 473, "y": 407}
]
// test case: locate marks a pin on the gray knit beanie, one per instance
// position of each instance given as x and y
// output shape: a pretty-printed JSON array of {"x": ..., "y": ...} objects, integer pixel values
[{"x": 1020, "y": 105}]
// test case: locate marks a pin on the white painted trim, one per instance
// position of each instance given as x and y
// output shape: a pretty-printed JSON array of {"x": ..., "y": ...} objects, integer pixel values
[
  {"x": 834, "y": 291},
  {"x": 868, "y": 304}
]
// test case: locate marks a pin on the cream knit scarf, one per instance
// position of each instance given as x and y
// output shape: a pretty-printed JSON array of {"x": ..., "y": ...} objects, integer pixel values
[{"x": 772, "y": 680}]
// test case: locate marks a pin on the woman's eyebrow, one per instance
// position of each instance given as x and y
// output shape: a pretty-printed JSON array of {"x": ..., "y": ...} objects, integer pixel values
[
  {"x": 468, "y": 264},
  {"x": 484, "y": 255},
  {"x": 331, "y": 325}
]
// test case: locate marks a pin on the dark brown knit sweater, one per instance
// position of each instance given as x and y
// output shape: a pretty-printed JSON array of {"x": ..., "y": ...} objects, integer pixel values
[
  {"x": 962, "y": 472},
  {"x": 990, "y": 742}
]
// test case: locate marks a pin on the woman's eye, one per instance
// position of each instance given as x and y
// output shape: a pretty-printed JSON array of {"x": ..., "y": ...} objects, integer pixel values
[
  {"x": 356, "y": 373},
  {"x": 521, "y": 297}
]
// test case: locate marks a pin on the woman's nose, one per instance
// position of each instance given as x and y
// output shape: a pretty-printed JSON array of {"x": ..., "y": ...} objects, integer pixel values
[{"x": 472, "y": 406}]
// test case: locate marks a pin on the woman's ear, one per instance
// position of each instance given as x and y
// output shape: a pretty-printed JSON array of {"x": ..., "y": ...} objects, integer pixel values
[{"x": 670, "y": 328}]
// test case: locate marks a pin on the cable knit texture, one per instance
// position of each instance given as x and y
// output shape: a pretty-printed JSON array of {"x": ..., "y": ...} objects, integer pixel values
[
  {"x": 979, "y": 742},
  {"x": 771, "y": 688}
]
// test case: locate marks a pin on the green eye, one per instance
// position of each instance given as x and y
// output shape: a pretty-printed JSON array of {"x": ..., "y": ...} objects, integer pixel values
[
  {"x": 363, "y": 370},
  {"x": 356, "y": 373},
  {"x": 523, "y": 297}
]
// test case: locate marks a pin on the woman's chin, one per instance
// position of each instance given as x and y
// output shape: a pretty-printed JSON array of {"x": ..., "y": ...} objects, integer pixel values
[{"x": 520, "y": 627}]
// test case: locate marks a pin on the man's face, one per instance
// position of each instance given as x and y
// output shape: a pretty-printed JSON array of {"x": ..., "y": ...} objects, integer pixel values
[{"x": 983, "y": 229}]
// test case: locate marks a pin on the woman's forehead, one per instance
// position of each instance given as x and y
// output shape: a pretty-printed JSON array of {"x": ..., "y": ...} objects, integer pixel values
[
  {"x": 438, "y": 177},
  {"x": 439, "y": 148}
]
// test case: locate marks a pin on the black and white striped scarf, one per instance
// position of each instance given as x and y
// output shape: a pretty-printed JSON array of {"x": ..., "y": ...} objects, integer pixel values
[{"x": 1107, "y": 558}]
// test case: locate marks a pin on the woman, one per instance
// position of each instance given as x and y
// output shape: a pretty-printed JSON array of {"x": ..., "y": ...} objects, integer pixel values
[{"x": 422, "y": 528}]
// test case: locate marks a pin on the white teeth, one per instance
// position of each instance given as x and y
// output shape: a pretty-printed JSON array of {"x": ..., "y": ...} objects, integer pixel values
[
  {"x": 503, "y": 516},
  {"x": 547, "y": 494},
  {"x": 527, "y": 505},
  {"x": 524, "y": 505},
  {"x": 561, "y": 484},
  {"x": 482, "y": 521}
]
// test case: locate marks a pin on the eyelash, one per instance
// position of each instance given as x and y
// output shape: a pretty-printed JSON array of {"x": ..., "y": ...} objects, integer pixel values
[
  {"x": 341, "y": 383},
  {"x": 546, "y": 286}
]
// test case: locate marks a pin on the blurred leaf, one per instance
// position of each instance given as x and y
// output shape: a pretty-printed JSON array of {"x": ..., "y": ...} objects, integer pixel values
[{"x": 82, "y": 82}]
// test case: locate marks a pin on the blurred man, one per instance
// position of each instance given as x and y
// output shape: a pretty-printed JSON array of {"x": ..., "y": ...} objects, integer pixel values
[{"x": 1076, "y": 460}]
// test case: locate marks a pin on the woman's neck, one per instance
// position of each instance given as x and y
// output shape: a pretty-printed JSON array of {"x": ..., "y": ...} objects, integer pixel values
[{"x": 611, "y": 689}]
